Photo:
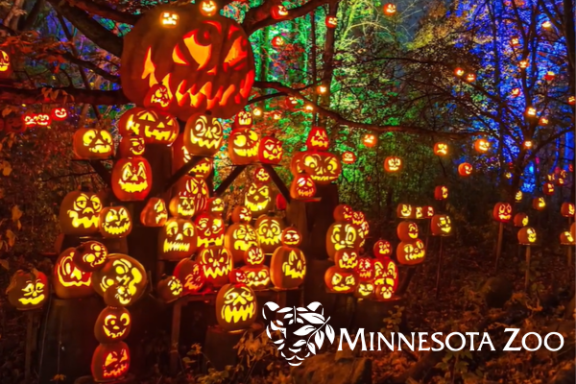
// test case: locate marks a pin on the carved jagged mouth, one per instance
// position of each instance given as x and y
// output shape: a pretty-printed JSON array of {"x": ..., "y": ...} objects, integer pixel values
[
  {"x": 306, "y": 192},
  {"x": 210, "y": 241},
  {"x": 348, "y": 265},
  {"x": 244, "y": 245},
  {"x": 116, "y": 230},
  {"x": 216, "y": 271},
  {"x": 191, "y": 283},
  {"x": 341, "y": 288},
  {"x": 178, "y": 246},
  {"x": 160, "y": 217},
  {"x": 323, "y": 178},
  {"x": 33, "y": 300},
  {"x": 296, "y": 273},
  {"x": 255, "y": 207},
  {"x": 100, "y": 148},
  {"x": 121, "y": 369},
  {"x": 132, "y": 187},
  {"x": 114, "y": 335},
  {"x": 233, "y": 314},
  {"x": 208, "y": 144},
  {"x": 365, "y": 275},
  {"x": 166, "y": 135},
  {"x": 246, "y": 152},
  {"x": 269, "y": 241},
  {"x": 186, "y": 212},
  {"x": 87, "y": 221}
]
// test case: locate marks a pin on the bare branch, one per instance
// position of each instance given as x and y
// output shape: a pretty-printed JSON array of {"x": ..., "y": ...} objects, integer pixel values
[
  {"x": 259, "y": 17},
  {"x": 104, "y": 11}
]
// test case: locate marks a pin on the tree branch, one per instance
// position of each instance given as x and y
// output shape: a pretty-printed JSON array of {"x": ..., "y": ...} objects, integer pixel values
[
  {"x": 89, "y": 65},
  {"x": 104, "y": 11},
  {"x": 259, "y": 17},
  {"x": 18, "y": 96}
]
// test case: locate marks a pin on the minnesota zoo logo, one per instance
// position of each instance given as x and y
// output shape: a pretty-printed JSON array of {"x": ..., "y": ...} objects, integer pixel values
[{"x": 298, "y": 332}]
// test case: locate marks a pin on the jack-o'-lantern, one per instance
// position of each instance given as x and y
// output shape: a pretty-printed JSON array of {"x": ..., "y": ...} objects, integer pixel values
[
  {"x": 191, "y": 274},
  {"x": 465, "y": 169},
  {"x": 131, "y": 146},
  {"x": 278, "y": 12},
  {"x": 177, "y": 240},
  {"x": 566, "y": 238},
  {"x": 257, "y": 198},
  {"x": 369, "y": 140},
  {"x": 346, "y": 259},
  {"x": 343, "y": 212},
  {"x": 419, "y": 213},
  {"x": 538, "y": 203},
  {"x": 404, "y": 211},
  {"x": 117, "y": 296},
  {"x": 112, "y": 325},
  {"x": 155, "y": 128},
  {"x": 90, "y": 256},
  {"x": 27, "y": 290},
  {"x": 216, "y": 265},
  {"x": 182, "y": 156},
  {"x": 520, "y": 220},
  {"x": 340, "y": 235},
  {"x": 567, "y": 210},
  {"x": 362, "y": 228},
  {"x": 28, "y": 121},
  {"x": 110, "y": 362},
  {"x": 238, "y": 239},
  {"x": 411, "y": 252},
  {"x": 216, "y": 206},
  {"x": 441, "y": 225},
  {"x": 407, "y": 231},
  {"x": 254, "y": 256},
  {"x": 527, "y": 236},
  {"x": 392, "y": 164},
  {"x": 348, "y": 157},
  {"x": 548, "y": 189},
  {"x": 257, "y": 277},
  {"x": 205, "y": 62},
  {"x": 243, "y": 146},
  {"x": 243, "y": 119},
  {"x": 386, "y": 279},
  {"x": 518, "y": 196},
  {"x": 42, "y": 119},
  {"x": 270, "y": 150},
  {"x": 208, "y": 8},
  {"x": 92, "y": 144},
  {"x": 261, "y": 176},
  {"x": 428, "y": 212},
  {"x": 323, "y": 167},
  {"x": 183, "y": 205},
  {"x": 382, "y": 249},
  {"x": 339, "y": 281},
  {"x": 203, "y": 169},
  {"x": 278, "y": 41},
  {"x": 241, "y": 214},
  {"x": 169, "y": 289},
  {"x": 154, "y": 213},
  {"x": 318, "y": 139},
  {"x": 5, "y": 65},
  {"x": 203, "y": 135},
  {"x": 68, "y": 280},
  {"x": 290, "y": 102},
  {"x": 115, "y": 222},
  {"x": 291, "y": 237},
  {"x": 440, "y": 149},
  {"x": 197, "y": 189},
  {"x": 125, "y": 274},
  {"x": 482, "y": 145},
  {"x": 302, "y": 187},
  {"x": 209, "y": 230},
  {"x": 331, "y": 22},
  {"x": 441, "y": 192},
  {"x": 269, "y": 231},
  {"x": 80, "y": 213},
  {"x": 169, "y": 19},
  {"x": 236, "y": 307},
  {"x": 131, "y": 179},
  {"x": 365, "y": 269},
  {"x": 502, "y": 212},
  {"x": 237, "y": 276},
  {"x": 158, "y": 98},
  {"x": 288, "y": 264},
  {"x": 365, "y": 290},
  {"x": 389, "y": 9},
  {"x": 126, "y": 125}
]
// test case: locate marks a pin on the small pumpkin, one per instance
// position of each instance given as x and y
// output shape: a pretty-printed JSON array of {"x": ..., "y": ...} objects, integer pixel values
[
  {"x": 302, "y": 187},
  {"x": 169, "y": 289},
  {"x": 411, "y": 252},
  {"x": 190, "y": 273},
  {"x": 441, "y": 225},
  {"x": 154, "y": 213},
  {"x": 69, "y": 281},
  {"x": 115, "y": 222},
  {"x": 131, "y": 179},
  {"x": 27, "y": 290},
  {"x": 339, "y": 281},
  {"x": 502, "y": 212},
  {"x": 288, "y": 263},
  {"x": 203, "y": 135},
  {"x": 110, "y": 362},
  {"x": 92, "y": 144},
  {"x": 112, "y": 325}
]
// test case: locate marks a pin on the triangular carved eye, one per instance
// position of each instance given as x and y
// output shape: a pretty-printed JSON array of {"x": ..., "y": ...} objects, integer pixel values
[
  {"x": 200, "y": 53},
  {"x": 236, "y": 53}
]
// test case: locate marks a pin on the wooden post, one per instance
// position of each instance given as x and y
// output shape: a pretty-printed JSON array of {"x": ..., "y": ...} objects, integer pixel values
[
  {"x": 527, "y": 276},
  {"x": 438, "y": 269},
  {"x": 499, "y": 243},
  {"x": 29, "y": 344},
  {"x": 175, "y": 336}
]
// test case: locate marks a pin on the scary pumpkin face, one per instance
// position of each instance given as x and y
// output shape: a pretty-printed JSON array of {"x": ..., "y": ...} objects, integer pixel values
[
  {"x": 287, "y": 267},
  {"x": 27, "y": 290},
  {"x": 115, "y": 222},
  {"x": 238, "y": 239},
  {"x": 169, "y": 289},
  {"x": 482, "y": 145},
  {"x": 410, "y": 252},
  {"x": 302, "y": 187},
  {"x": 5, "y": 66},
  {"x": 261, "y": 176},
  {"x": 110, "y": 362},
  {"x": 80, "y": 213},
  {"x": 131, "y": 146},
  {"x": 318, "y": 139},
  {"x": 236, "y": 307},
  {"x": 291, "y": 237},
  {"x": 203, "y": 135},
  {"x": 502, "y": 212},
  {"x": 254, "y": 256},
  {"x": 340, "y": 235},
  {"x": 346, "y": 259},
  {"x": 124, "y": 276},
  {"x": 155, "y": 128},
  {"x": 113, "y": 324},
  {"x": 278, "y": 12},
  {"x": 158, "y": 98},
  {"x": 243, "y": 120},
  {"x": 339, "y": 281},
  {"x": 92, "y": 144},
  {"x": 441, "y": 225},
  {"x": 440, "y": 149},
  {"x": 183, "y": 205},
  {"x": 154, "y": 213},
  {"x": 567, "y": 209},
  {"x": 269, "y": 231},
  {"x": 243, "y": 146},
  {"x": 202, "y": 169},
  {"x": 69, "y": 281},
  {"x": 323, "y": 167},
  {"x": 441, "y": 192},
  {"x": 191, "y": 275},
  {"x": 521, "y": 220},
  {"x": 365, "y": 269},
  {"x": 177, "y": 240},
  {"x": 210, "y": 230},
  {"x": 382, "y": 249},
  {"x": 90, "y": 256},
  {"x": 241, "y": 214},
  {"x": 404, "y": 211},
  {"x": 539, "y": 203},
  {"x": 465, "y": 169},
  {"x": 257, "y": 198},
  {"x": 205, "y": 60},
  {"x": 392, "y": 164},
  {"x": 527, "y": 236},
  {"x": 386, "y": 279},
  {"x": 407, "y": 231},
  {"x": 131, "y": 179},
  {"x": 365, "y": 290},
  {"x": 216, "y": 265},
  {"x": 331, "y": 22},
  {"x": 389, "y": 9},
  {"x": 270, "y": 150},
  {"x": 257, "y": 277},
  {"x": 348, "y": 157}
]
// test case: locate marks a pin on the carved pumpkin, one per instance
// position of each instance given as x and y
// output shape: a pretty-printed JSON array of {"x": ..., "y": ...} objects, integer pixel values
[
  {"x": 216, "y": 265},
  {"x": 407, "y": 231},
  {"x": 440, "y": 149},
  {"x": 191, "y": 275},
  {"x": 323, "y": 167},
  {"x": 131, "y": 146},
  {"x": 369, "y": 140},
  {"x": 112, "y": 325},
  {"x": 287, "y": 267},
  {"x": 181, "y": 156},
  {"x": 567, "y": 210},
  {"x": 527, "y": 236},
  {"x": 5, "y": 65},
  {"x": 404, "y": 211},
  {"x": 158, "y": 98},
  {"x": 318, "y": 139},
  {"x": 348, "y": 157},
  {"x": 520, "y": 220},
  {"x": 177, "y": 240},
  {"x": 502, "y": 212},
  {"x": 216, "y": 206},
  {"x": 270, "y": 150},
  {"x": 548, "y": 189},
  {"x": 169, "y": 289},
  {"x": 125, "y": 274},
  {"x": 382, "y": 249},
  {"x": 238, "y": 238},
  {"x": 261, "y": 176},
  {"x": 343, "y": 212},
  {"x": 92, "y": 144},
  {"x": 346, "y": 259},
  {"x": 110, "y": 362},
  {"x": 339, "y": 281},
  {"x": 236, "y": 307},
  {"x": 392, "y": 164},
  {"x": 115, "y": 222},
  {"x": 241, "y": 214},
  {"x": 131, "y": 179},
  {"x": 203, "y": 135},
  {"x": 302, "y": 187},
  {"x": 80, "y": 213},
  {"x": 205, "y": 62},
  {"x": 269, "y": 231},
  {"x": 331, "y": 22},
  {"x": 278, "y": 12},
  {"x": 69, "y": 281},
  {"x": 340, "y": 235},
  {"x": 365, "y": 290},
  {"x": 411, "y": 252},
  {"x": 465, "y": 169},
  {"x": 389, "y": 9},
  {"x": 243, "y": 146},
  {"x": 183, "y": 205},
  {"x": 386, "y": 279},
  {"x": 90, "y": 256},
  {"x": 441, "y": 225},
  {"x": 197, "y": 189},
  {"x": 208, "y": 8},
  {"x": 539, "y": 203},
  {"x": 365, "y": 269},
  {"x": 243, "y": 119},
  {"x": 155, "y": 128},
  {"x": 257, "y": 198},
  {"x": 482, "y": 145},
  {"x": 257, "y": 276},
  {"x": 566, "y": 238},
  {"x": 154, "y": 213},
  {"x": 27, "y": 290},
  {"x": 254, "y": 256},
  {"x": 441, "y": 192},
  {"x": 428, "y": 212},
  {"x": 291, "y": 237},
  {"x": 209, "y": 230}
]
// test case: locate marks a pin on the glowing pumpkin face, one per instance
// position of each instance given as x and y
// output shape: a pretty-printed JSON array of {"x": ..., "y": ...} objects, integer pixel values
[
  {"x": 369, "y": 140},
  {"x": 270, "y": 150},
  {"x": 169, "y": 19},
  {"x": 465, "y": 169},
  {"x": 257, "y": 198},
  {"x": 340, "y": 235},
  {"x": 404, "y": 211},
  {"x": 502, "y": 212},
  {"x": 346, "y": 259},
  {"x": 131, "y": 146},
  {"x": 177, "y": 240},
  {"x": 154, "y": 213},
  {"x": 339, "y": 281},
  {"x": 520, "y": 220},
  {"x": 318, "y": 139},
  {"x": 331, "y": 22},
  {"x": 269, "y": 231},
  {"x": 254, "y": 256},
  {"x": 204, "y": 60},
  {"x": 287, "y": 267},
  {"x": 482, "y": 145},
  {"x": 441, "y": 225},
  {"x": 169, "y": 289},
  {"x": 407, "y": 231},
  {"x": 348, "y": 157},
  {"x": 390, "y": 9},
  {"x": 441, "y": 192},
  {"x": 567, "y": 210},
  {"x": 27, "y": 290},
  {"x": 440, "y": 149},
  {"x": 191, "y": 275},
  {"x": 210, "y": 230},
  {"x": 291, "y": 237},
  {"x": 216, "y": 206},
  {"x": 411, "y": 252},
  {"x": 197, "y": 190},
  {"x": 90, "y": 256},
  {"x": 243, "y": 146},
  {"x": 241, "y": 214},
  {"x": 257, "y": 277},
  {"x": 279, "y": 12},
  {"x": 323, "y": 167},
  {"x": 203, "y": 135},
  {"x": 548, "y": 189},
  {"x": 69, "y": 281},
  {"x": 539, "y": 203},
  {"x": 131, "y": 179},
  {"x": 566, "y": 238},
  {"x": 261, "y": 176},
  {"x": 365, "y": 290},
  {"x": 243, "y": 120},
  {"x": 155, "y": 128},
  {"x": 124, "y": 275},
  {"x": 216, "y": 265},
  {"x": 428, "y": 212},
  {"x": 110, "y": 362},
  {"x": 302, "y": 187},
  {"x": 386, "y": 279},
  {"x": 115, "y": 222},
  {"x": 203, "y": 169},
  {"x": 183, "y": 205},
  {"x": 238, "y": 239},
  {"x": 80, "y": 213},
  {"x": 365, "y": 269},
  {"x": 235, "y": 307},
  {"x": 92, "y": 144},
  {"x": 392, "y": 164},
  {"x": 527, "y": 236},
  {"x": 5, "y": 66},
  {"x": 158, "y": 98},
  {"x": 382, "y": 249},
  {"x": 113, "y": 324}
]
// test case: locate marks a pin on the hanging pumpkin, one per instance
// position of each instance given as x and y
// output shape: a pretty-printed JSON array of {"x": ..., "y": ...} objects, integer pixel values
[
  {"x": 502, "y": 212},
  {"x": 154, "y": 213},
  {"x": 441, "y": 225},
  {"x": 386, "y": 279},
  {"x": 440, "y": 149},
  {"x": 340, "y": 235},
  {"x": 131, "y": 146},
  {"x": 411, "y": 252},
  {"x": 125, "y": 274},
  {"x": 216, "y": 265},
  {"x": 69, "y": 281},
  {"x": 404, "y": 211},
  {"x": 318, "y": 139},
  {"x": 382, "y": 249},
  {"x": 365, "y": 269},
  {"x": 110, "y": 362},
  {"x": 339, "y": 281},
  {"x": 131, "y": 179},
  {"x": 112, "y": 325},
  {"x": 254, "y": 256},
  {"x": 278, "y": 12},
  {"x": 191, "y": 275},
  {"x": 236, "y": 307},
  {"x": 465, "y": 169},
  {"x": 389, "y": 9},
  {"x": 270, "y": 150},
  {"x": 441, "y": 192},
  {"x": 302, "y": 187},
  {"x": 90, "y": 256},
  {"x": 567, "y": 210},
  {"x": 243, "y": 146},
  {"x": 80, "y": 213},
  {"x": 392, "y": 164},
  {"x": 526, "y": 236},
  {"x": 482, "y": 145},
  {"x": 520, "y": 220},
  {"x": 257, "y": 276},
  {"x": 209, "y": 230},
  {"x": 348, "y": 157},
  {"x": 177, "y": 240},
  {"x": 323, "y": 167},
  {"x": 257, "y": 198},
  {"x": 407, "y": 231},
  {"x": 115, "y": 222},
  {"x": 346, "y": 259},
  {"x": 27, "y": 290},
  {"x": 92, "y": 144},
  {"x": 243, "y": 119},
  {"x": 539, "y": 203},
  {"x": 203, "y": 135},
  {"x": 288, "y": 263},
  {"x": 269, "y": 231},
  {"x": 169, "y": 289}
]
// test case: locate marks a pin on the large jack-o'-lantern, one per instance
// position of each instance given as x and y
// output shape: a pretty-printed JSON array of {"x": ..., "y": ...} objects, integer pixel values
[
  {"x": 340, "y": 235},
  {"x": 205, "y": 62},
  {"x": 112, "y": 325},
  {"x": 27, "y": 290},
  {"x": 131, "y": 179},
  {"x": 154, "y": 213},
  {"x": 209, "y": 230},
  {"x": 110, "y": 362},
  {"x": 216, "y": 265},
  {"x": 124, "y": 274},
  {"x": 340, "y": 281},
  {"x": 243, "y": 146},
  {"x": 269, "y": 231},
  {"x": 270, "y": 150},
  {"x": 191, "y": 275},
  {"x": 92, "y": 144},
  {"x": 502, "y": 212},
  {"x": 69, "y": 281},
  {"x": 90, "y": 256},
  {"x": 236, "y": 307},
  {"x": 203, "y": 135},
  {"x": 115, "y": 222},
  {"x": 177, "y": 240},
  {"x": 323, "y": 167},
  {"x": 80, "y": 213},
  {"x": 288, "y": 264}
]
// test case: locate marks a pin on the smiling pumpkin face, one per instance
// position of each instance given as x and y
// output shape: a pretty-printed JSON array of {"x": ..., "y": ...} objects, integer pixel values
[
  {"x": 124, "y": 276},
  {"x": 257, "y": 277},
  {"x": 502, "y": 212},
  {"x": 115, "y": 222},
  {"x": 323, "y": 167},
  {"x": 243, "y": 146},
  {"x": 340, "y": 235},
  {"x": 302, "y": 187},
  {"x": 131, "y": 179},
  {"x": 113, "y": 324},
  {"x": 441, "y": 225}
]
